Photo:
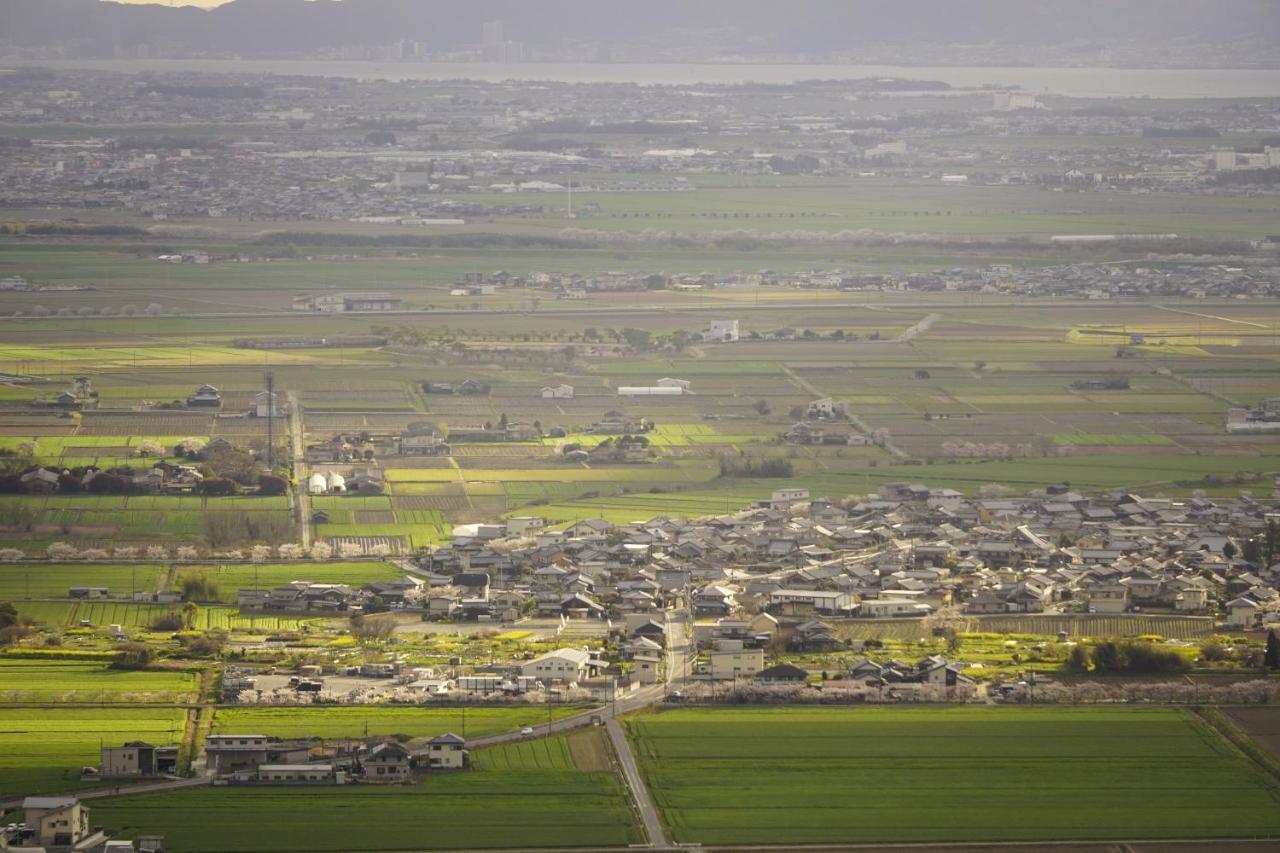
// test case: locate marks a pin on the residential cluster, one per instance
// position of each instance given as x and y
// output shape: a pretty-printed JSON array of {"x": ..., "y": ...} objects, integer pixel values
[{"x": 401, "y": 152}]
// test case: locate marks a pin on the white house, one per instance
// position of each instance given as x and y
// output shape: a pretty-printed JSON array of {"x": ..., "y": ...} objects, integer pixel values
[
  {"x": 557, "y": 392},
  {"x": 264, "y": 402},
  {"x": 447, "y": 752},
  {"x": 523, "y": 525},
  {"x": 721, "y": 331},
  {"x": 735, "y": 663},
  {"x": 317, "y": 484},
  {"x": 561, "y": 665},
  {"x": 879, "y": 608},
  {"x": 1241, "y": 612},
  {"x": 784, "y": 498},
  {"x": 827, "y": 408},
  {"x": 57, "y": 821},
  {"x": 798, "y": 601},
  {"x": 649, "y": 391}
]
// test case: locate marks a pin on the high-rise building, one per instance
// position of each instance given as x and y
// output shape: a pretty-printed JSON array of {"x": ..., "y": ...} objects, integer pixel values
[
  {"x": 1224, "y": 159},
  {"x": 494, "y": 46},
  {"x": 492, "y": 35}
]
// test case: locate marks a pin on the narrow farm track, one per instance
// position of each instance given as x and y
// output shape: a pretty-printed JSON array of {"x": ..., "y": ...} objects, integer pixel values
[
  {"x": 635, "y": 783},
  {"x": 1211, "y": 317},
  {"x": 860, "y": 424},
  {"x": 918, "y": 329},
  {"x": 301, "y": 497},
  {"x": 126, "y": 790}
]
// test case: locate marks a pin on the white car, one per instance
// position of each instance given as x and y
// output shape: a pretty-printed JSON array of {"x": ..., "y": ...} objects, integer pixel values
[{"x": 527, "y": 731}]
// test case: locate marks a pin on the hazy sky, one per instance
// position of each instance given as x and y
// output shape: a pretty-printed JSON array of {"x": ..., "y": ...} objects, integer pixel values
[{"x": 205, "y": 3}]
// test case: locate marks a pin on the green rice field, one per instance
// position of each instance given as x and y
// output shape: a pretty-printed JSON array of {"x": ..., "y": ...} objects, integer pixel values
[
  {"x": 352, "y": 721},
  {"x": 446, "y": 811},
  {"x": 52, "y": 580},
  {"x": 77, "y": 681},
  {"x": 43, "y": 748},
  {"x": 232, "y": 577},
  {"x": 802, "y": 775}
]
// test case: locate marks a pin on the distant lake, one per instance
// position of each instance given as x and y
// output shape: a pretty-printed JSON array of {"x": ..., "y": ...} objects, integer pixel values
[{"x": 1073, "y": 82}]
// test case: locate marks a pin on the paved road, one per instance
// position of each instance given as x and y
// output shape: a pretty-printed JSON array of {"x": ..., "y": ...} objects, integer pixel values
[
  {"x": 678, "y": 665},
  {"x": 633, "y": 310},
  {"x": 302, "y": 494},
  {"x": 917, "y": 329},
  {"x": 122, "y": 790},
  {"x": 639, "y": 792},
  {"x": 857, "y": 422}
]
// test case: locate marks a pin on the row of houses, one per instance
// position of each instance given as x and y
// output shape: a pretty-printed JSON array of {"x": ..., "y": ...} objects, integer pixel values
[
  {"x": 364, "y": 301},
  {"x": 161, "y": 478},
  {"x": 254, "y": 759},
  {"x": 903, "y": 552}
]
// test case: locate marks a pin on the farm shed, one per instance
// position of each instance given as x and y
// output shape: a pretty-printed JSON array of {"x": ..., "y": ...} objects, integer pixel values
[{"x": 650, "y": 391}]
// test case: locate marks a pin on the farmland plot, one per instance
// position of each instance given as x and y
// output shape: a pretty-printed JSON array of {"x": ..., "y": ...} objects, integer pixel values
[
  {"x": 931, "y": 774},
  {"x": 43, "y": 749},
  {"x": 232, "y": 577},
  {"x": 384, "y": 720},
  {"x": 52, "y": 580},
  {"x": 77, "y": 681},
  {"x": 446, "y": 811}
]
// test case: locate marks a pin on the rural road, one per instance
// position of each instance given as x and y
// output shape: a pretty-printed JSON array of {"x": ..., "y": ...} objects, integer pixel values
[
  {"x": 635, "y": 782},
  {"x": 917, "y": 329},
  {"x": 302, "y": 494},
  {"x": 1211, "y": 317},
  {"x": 633, "y": 310},
  {"x": 118, "y": 790},
  {"x": 678, "y": 665},
  {"x": 857, "y": 422}
]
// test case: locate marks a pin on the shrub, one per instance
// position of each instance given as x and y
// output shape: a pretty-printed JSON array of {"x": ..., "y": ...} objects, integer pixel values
[
  {"x": 199, "y": 588},
  {"x": 168, "y": 622},
  {"x": 133, "y": 656},
  {"x": 270, "y": 484},
  {"x": 206, "y": 645},
  {"x": 108, "y": 484},
  {"x": 218, "y": 487},
  {"x": 1212, "y": 652},
  {"x": 1136, "y": 658},
  {"x": 373, "y": 627}
]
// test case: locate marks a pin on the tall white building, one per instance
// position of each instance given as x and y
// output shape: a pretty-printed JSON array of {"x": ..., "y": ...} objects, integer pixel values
[
  {"x": 1224, "y": 159},
  {"x": 721, "y": 331}
]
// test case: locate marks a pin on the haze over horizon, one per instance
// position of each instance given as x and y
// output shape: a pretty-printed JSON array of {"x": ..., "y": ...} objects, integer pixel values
[
  {"x": 742, "y": 425},
  {"x": 1138, "y": 33},
  {"x": 204, "y": 4}
]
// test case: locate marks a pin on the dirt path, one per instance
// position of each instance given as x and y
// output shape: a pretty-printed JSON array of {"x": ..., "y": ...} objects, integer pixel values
[{"x": 590, "y": 750}]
